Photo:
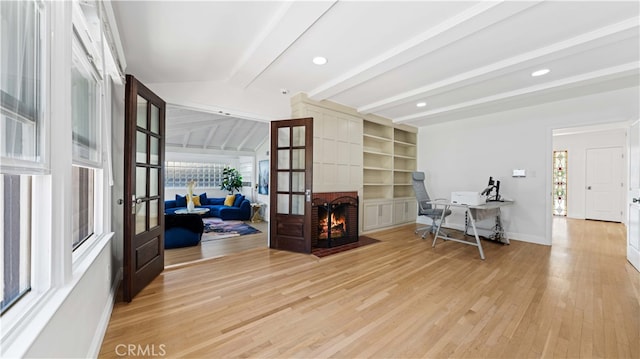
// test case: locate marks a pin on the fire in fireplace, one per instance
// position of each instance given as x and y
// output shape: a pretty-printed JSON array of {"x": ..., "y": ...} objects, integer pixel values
[
  {"x": 333, "y": 226},
  {"x": 336, "y": 220}
]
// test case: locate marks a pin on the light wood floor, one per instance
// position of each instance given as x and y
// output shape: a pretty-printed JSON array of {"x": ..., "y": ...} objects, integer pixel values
[
  {"x": 399, "y": 298},
  {"x": 218, "y": 248}
]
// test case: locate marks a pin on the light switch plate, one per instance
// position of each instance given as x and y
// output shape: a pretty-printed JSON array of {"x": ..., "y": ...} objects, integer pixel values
[{"x": 519, "y": 173}]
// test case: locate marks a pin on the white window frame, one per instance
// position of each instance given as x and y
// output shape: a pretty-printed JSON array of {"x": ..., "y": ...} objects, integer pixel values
[
  {"x": 83, "y": 56},
  {"x": 24, "y": 310},
  {"x": 55, "y": 268}
]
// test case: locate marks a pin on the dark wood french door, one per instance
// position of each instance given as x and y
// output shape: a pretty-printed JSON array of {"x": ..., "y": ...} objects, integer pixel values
[
  {"x": 143, "y": 187},
  {"x": 292, "y": 180}
]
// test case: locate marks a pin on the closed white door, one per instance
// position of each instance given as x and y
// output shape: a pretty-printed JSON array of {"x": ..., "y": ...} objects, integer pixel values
[
  {"x": 604, "y": 184},
  {"x": 633, "y": 229}
]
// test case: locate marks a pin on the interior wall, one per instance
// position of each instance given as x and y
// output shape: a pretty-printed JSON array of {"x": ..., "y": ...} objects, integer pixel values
[
  {"x": 461, "y": 155},
  {"x": 212, "y": 192},
  {"x": 577, "y": 144},
  {"x": 82, "y": 311},
  {"x": 262, "y": 154}
]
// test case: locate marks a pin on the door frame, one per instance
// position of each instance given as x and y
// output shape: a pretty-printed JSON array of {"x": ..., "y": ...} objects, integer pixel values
[{"x": 549, "y": 168}]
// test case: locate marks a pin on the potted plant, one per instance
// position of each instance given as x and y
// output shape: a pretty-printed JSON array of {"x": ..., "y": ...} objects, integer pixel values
[{"x": 231, "y": 180}]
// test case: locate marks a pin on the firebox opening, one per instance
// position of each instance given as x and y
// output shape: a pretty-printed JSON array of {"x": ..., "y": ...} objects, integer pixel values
[
  {"x": 335, "y": 219},
  {"x": 334, "y": 226}
]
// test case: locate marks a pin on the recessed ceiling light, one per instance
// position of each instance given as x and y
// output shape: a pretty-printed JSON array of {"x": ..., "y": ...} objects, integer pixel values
[
  {"x": 319, "y": 60},
  {"x": 421, "y": 104},
  {"x": 540, "y": 72}
]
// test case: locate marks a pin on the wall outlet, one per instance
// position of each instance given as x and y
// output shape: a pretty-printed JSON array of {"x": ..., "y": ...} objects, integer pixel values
[{"x": 519, "y": 173}]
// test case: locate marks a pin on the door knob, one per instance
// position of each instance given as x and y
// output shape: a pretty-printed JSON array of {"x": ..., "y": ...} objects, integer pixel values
[
  {"x": 636, "y": 200},
  {"x": 589, "y": 187}
]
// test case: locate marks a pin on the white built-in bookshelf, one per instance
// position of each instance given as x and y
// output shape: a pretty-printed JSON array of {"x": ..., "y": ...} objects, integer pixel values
[{"x": 388, "y": 157}]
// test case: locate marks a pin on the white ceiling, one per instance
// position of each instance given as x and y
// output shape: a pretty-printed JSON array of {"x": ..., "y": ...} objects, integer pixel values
[
  {"x": 464, "y": 59},
  {"x": 197, "y": 130}
]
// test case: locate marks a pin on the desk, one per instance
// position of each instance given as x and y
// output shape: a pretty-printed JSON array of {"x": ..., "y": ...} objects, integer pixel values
[{"x": 481, "y": 211}]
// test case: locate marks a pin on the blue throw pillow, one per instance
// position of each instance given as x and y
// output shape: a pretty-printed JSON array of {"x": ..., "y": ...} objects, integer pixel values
[
  {"x": 238, "y": 200},
  {"x": 203, "y": 198},
  {"x": 181, "y": 201}
]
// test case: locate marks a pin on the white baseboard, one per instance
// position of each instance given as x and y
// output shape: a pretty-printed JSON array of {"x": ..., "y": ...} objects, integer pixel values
[
  {"x": 101, "y": 330},
  {"x": 513, "y": 236}
]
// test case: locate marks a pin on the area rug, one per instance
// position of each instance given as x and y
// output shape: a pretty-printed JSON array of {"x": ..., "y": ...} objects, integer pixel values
[
  {"x": 362, "y": 241},
  {"x": 215, "y": 228}
]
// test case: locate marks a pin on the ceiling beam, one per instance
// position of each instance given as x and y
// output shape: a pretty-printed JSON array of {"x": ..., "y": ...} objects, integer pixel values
[
  {"x": 253, "y": 129},
  {"x": 185, "y": 139},
  {"x": 171, "y": 123},
  {"x": 287, "y": 25},
  {"x": 631, "y": 69},
  {"x": 218, "y": 111},
  {"x": 209, "y": 151},
  {"x": 233, "y": 130},
  {"x": 466, "y": 23},
  {"x": 607, "y": 34},
  {"x": 212, "y": 131}
]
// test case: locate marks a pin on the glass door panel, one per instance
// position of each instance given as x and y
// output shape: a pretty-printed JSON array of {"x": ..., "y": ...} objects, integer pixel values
[
  {"x": 153, "y": 213},
  {"x": 141, "y": 182},
  {"x": 297, "y": 183},
  {"x": 155, "y": 150},
  {"x": 141, "y": 217},
  {"x": 154, "y": 182},
  {"x": 298, "y": 135},
  {"x": 297, "y": 161},
  {"x": 141, "y": 146},
  {"x": 155, "y": 119},
  {"x": 283, "y": 182},
  {"x": 297, "y": 204},
  {"x": 283, "y": 203},
  {"x": 141, "y": 118},
  {"x": 284, "y": 138},
  {"x": 283, "y": 159}
]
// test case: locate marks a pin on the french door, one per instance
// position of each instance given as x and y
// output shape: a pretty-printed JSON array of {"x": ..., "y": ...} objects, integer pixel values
[
  {"x": 292, "y": 179},
  {"x": 143, "y": 187},
  {"x": 633, "y": 226}
]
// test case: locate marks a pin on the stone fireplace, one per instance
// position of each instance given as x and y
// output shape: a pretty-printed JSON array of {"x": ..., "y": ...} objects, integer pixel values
[{"x": 334, "y": 219}]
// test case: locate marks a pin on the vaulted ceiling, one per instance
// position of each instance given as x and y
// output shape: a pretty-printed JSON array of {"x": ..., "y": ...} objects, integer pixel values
[
  {"x": 197, "y": 130},
  {"x": 462, "y": 59}
]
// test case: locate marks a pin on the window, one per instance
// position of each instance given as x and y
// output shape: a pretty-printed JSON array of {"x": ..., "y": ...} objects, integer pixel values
[
  {"x": 83, "y": 205},
  {"x": 20, "y": 83},
  {"x": 85, "y": 105},
  {"x": 560, "y": 183},
  {"x": 21, "y": 136},
  {"x": 15, "y": 237},
  {"x": 207, "y": 175}
]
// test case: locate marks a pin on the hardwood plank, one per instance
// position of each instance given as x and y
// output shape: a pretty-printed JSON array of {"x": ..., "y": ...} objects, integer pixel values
[{"x": 397, "y": 298}]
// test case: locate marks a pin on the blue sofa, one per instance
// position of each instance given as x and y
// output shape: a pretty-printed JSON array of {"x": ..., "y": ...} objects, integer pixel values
[{"x": 240, "y": 210}]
